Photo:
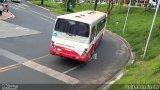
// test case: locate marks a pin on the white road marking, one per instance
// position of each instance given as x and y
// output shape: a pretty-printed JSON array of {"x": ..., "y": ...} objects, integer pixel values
[
  {"x": 42, "y": 15},
  {"x": 38, "y": 6},
  {"x": 21, "y": 28},
  {"x": 13, "y": 6},
  {"x": 47, "y": 20},
  {"x": 38, "y": 67},
  {"x": 25, "y": 5},
  {"x": 53, "y": 14},
  {"x": 20, "y": 6},
  {"x": 6, "y": 68},
  {"x": 36, "y": 59},
  {"x": 110, "y": 82},
  {"x": 12, "y": 56},
  {"x": 71, "y": 69},
  {"x": 50, "y": 72}
]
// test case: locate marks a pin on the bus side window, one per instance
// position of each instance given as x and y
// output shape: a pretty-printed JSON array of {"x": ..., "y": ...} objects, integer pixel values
[
  {"x": 93, "y": 34},
  {"x": 101, "y": 25}
]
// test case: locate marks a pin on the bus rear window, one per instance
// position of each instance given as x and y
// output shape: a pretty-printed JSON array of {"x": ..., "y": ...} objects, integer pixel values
[{"x": 72, "y": 27}]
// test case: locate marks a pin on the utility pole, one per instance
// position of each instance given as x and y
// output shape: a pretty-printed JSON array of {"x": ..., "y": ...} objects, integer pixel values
[
  {"x": 127, "y": 16},
  {"x": 66, "y": 6},
  {"x": 149, "y": 36},
  {"x": 95, "y": 5},
  {"x": 41, "y": 2}
]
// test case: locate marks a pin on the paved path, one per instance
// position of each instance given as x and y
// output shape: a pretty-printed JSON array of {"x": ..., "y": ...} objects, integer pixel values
[{"x": 11, "y": 30}]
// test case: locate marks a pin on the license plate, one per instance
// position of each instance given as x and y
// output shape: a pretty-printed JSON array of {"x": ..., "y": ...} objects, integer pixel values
[
  {"x": 59, "y": 50},
  {"x": 68, "y": 49}
]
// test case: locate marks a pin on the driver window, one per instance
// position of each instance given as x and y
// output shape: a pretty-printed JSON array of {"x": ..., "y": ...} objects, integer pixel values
[{"x": 93, "y": 34}]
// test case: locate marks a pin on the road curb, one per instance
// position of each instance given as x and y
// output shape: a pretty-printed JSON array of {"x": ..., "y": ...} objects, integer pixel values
[
  {"x": 43, "y": 8},
  {"x": 121, "y": 72},
  {"x": 12, "y": 15},
  {"x": 38, "y": 6}
]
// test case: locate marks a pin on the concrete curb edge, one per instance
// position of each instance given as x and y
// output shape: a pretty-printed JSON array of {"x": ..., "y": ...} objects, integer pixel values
[
  {"x": 12, "y": 15},
  {"x": 38, "y": 6}
]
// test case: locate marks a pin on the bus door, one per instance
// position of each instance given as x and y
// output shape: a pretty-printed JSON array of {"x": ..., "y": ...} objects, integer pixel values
[{"x": 93, "y": 38}]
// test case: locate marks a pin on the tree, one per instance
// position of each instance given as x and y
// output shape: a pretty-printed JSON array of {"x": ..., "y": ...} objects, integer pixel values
[
  {"x": 42, "y": 2},
  {"x": 95, "y": 5},
  {"x": 109, "y": 9},
  {"x": 147, "y": 6},
  {"x": 121, "y": 3},
  {"x": 67, "y": 4}
]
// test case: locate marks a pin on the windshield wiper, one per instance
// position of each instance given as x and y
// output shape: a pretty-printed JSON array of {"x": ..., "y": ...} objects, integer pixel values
[{"x": 70, "y": 34}]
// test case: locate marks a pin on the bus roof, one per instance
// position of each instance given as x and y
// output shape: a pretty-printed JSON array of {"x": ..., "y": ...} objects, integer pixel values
[{"x": 84, "y": 16}]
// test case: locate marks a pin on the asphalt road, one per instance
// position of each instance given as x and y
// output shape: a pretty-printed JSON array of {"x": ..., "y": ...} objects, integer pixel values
[{"x": 26, "y": 60}]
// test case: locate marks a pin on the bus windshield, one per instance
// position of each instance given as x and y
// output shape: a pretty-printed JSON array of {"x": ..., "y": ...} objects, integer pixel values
[{"x": 72, "y": 27}]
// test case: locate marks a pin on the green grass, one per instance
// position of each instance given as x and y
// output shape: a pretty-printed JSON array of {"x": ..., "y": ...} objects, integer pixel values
[
  {"x": 136, "y": 32},
  {"x": 60, "y": 7},
  {"x": 145, "y": 71},
  {"x": 54, "y": 7}
]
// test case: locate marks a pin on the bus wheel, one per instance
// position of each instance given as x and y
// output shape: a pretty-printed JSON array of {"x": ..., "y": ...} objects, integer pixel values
[{"x": 90, "y": 57}]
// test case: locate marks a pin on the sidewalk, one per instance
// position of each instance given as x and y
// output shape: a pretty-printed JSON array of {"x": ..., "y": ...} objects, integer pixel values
[
  {"x": 6, "y": 15},
  {"x": 12, "y": 30}
]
